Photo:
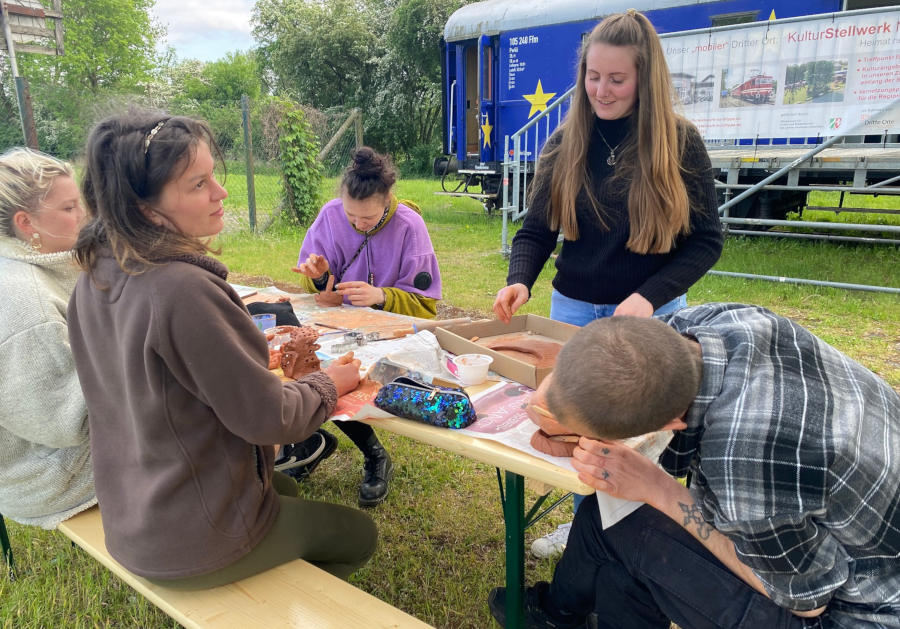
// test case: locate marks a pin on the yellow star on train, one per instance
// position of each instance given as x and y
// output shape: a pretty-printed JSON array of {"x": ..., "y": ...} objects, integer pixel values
[
  {"x": 486, "y": 128},
  {"x": 538, "y": 100}
]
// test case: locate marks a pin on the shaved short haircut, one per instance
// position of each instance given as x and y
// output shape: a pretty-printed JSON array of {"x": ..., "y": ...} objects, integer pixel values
[{"x": 625, "y": 376}]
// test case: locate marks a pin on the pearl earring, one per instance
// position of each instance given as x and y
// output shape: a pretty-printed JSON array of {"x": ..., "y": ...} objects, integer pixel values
[{"x": 36, "y": 241}]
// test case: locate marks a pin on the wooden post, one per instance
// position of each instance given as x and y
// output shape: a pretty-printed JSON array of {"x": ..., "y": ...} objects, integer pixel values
[
  {"x": 354, "y": 115},
  {"x": 57, "y": 27},
  {"x": 27, "y": 113},
  {"x": 23, "y": 98},
  {"x": 248, "y": 154}
]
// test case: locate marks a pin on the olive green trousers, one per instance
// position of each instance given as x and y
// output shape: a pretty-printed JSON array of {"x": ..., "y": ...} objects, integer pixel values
[{"x": 335, "y": 538}]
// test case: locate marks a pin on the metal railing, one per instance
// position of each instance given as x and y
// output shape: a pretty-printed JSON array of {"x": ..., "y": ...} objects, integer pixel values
[{"x": 526, "y": 142}]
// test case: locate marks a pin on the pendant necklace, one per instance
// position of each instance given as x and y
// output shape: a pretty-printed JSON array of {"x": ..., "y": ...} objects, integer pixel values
[{"x": 611, "y": 160}]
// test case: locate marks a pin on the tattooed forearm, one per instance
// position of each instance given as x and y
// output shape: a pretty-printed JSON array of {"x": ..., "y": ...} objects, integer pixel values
[{"x": 693, "y": 517}]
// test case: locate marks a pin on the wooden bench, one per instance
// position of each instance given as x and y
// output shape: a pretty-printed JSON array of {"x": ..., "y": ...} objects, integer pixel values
[{"x": 295, "y": 594}]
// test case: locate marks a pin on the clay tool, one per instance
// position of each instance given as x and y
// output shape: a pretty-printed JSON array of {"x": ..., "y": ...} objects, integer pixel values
[
  {"x": 570, "y": 438},
  {"x": 564, "y": 438},
  {"x": 329, "y": 326},
  {"x": 543, "y": 411},
  {"x": 371, "y": 337},
  {"x": 426, "y": 324},
  {"x": 330, "y": 333}
]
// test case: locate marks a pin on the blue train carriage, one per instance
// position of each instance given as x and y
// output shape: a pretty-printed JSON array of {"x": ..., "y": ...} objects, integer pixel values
[{"x": 506, "y": 61}]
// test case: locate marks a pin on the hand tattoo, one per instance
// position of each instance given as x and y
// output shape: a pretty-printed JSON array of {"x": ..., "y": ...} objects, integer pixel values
[
  {"x": 605, "y": 450},
  {"x": 605, "y": 474},
  {"x": 692, "y": 515}
]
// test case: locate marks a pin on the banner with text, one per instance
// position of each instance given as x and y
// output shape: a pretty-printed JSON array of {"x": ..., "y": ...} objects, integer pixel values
[{"x": 812, "y": 78}]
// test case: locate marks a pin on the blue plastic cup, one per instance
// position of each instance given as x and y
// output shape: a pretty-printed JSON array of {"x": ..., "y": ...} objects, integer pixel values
[{"x": 264, "y": 321}]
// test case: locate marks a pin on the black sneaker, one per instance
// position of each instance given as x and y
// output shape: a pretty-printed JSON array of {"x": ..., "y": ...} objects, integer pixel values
[
  {"x": 296, "y": 454},
  {"x": 536, "y": 617},
  {"x": 298, "y": 460}
]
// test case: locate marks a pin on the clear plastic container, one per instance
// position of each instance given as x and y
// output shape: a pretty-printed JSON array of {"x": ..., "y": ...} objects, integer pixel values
[
  {"x": 278, "y": 335},
  {"x": 471, "y": 369},
  {"x": 264, "y": 321}
]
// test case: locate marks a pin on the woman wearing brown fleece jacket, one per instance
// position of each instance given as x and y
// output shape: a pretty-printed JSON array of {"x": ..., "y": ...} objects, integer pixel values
[{"x": 182, "y": 408}]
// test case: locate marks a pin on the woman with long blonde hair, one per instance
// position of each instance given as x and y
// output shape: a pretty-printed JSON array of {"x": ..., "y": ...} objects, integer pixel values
[{"x": 633, "y": 195}]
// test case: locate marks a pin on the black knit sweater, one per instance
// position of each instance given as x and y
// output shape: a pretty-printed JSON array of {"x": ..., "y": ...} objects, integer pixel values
[{"x": 597, "y": 268}]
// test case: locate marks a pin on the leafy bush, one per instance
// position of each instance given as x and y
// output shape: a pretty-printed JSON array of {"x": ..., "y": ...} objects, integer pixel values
[{"x": 419, "y": 162}]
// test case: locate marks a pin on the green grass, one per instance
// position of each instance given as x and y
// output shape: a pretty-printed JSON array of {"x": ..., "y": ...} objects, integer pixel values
[{"x": 441, "y": 548}]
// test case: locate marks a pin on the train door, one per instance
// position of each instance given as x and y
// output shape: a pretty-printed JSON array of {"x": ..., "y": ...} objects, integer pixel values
[
  {"x": 472, "y": 101},
  {"x": 486, "y": 112},
  {"x": 448, "y": 96}
]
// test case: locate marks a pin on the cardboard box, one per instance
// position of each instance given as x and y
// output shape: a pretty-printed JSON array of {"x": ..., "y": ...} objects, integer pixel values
[{"x": 455, "y": 339}]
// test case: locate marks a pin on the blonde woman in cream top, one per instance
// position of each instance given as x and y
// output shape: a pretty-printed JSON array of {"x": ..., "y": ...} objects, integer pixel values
[{"x": 45, "y": 461}]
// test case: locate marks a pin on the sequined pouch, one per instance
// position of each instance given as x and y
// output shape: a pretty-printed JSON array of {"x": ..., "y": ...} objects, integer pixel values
[{"x": 438, "y": 406}]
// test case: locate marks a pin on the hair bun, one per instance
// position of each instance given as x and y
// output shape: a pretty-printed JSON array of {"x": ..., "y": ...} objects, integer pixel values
[
  {"x": 369, "y": 172},
  {"x": 367, "y": 163}
]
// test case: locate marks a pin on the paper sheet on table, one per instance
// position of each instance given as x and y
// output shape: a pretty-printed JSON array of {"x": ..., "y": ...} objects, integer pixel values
[
  {"x": 614, "y": 509},
  {"x": 244, "y": 291},
  {"x": 502, "y": 418}
]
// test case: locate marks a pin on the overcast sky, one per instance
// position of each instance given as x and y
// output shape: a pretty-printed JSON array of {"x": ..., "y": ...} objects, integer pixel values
[{"x": 197, "y": 31}]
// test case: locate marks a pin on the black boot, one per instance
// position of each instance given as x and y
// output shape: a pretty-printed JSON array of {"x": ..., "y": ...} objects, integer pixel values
[{"x": 377, "y": 472}]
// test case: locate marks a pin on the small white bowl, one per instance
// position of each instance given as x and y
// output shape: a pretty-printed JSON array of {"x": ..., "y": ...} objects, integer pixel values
[{"x": 471, "y": 369}]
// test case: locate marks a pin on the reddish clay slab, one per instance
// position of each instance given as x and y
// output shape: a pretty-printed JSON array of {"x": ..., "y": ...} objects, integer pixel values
[{"x": 540, "y": 351}]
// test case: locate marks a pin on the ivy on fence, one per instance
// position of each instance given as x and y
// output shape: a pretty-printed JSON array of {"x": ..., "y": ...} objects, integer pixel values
[{"x": 302, "y": 171}]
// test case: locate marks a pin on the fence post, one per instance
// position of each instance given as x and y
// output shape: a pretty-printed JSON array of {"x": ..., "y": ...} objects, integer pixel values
[
  {"x": 24, "y": 96},
  {"x": 248, "y": 155},
  {"x": 359, "y": 129}
]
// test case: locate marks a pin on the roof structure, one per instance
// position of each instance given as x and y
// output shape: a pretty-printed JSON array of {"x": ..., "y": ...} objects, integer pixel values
[{"x": 495, "y": 16}]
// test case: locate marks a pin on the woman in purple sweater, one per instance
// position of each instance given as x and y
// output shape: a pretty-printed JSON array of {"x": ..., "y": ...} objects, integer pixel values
[{"x": 365, "y": 248}]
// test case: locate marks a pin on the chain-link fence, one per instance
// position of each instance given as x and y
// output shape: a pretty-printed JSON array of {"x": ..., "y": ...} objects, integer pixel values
[{"x": 247, "y": 131}]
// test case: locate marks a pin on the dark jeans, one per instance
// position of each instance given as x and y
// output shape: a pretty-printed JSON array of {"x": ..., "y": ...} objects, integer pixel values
[{"x": 647, "y": 570}]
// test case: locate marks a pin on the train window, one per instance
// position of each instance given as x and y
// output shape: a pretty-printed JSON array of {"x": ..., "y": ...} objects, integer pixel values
[
  {"x": 487, "y": 74},
  {"x": 725, "y": 19},
  {"x": 850, "y": 5}
]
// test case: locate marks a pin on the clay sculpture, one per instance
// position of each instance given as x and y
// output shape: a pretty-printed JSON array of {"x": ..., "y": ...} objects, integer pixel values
[{"x": 298, "y": 355}]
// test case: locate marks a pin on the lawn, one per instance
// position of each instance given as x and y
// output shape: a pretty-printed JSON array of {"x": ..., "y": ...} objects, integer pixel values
[{"x": 441, "y": 548}]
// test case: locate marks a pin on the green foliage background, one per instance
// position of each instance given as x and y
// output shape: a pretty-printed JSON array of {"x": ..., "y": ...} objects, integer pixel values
[{"x": 379, "y": 56}]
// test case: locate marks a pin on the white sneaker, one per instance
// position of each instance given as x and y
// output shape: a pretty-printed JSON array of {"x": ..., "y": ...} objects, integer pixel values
[{"x": 553, "y": 543}]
